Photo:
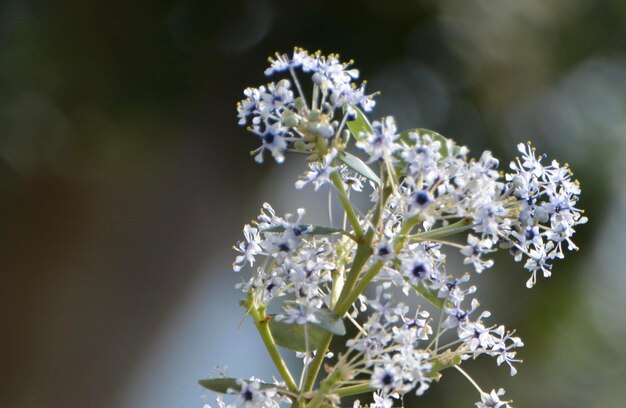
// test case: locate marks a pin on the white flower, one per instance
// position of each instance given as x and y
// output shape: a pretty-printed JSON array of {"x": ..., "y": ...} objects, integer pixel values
[
  {"x": 249, "y": 248},
  {"x": 416, "y": 265},
  {"x": 386, "y": 378},
  {"x": 422, "y": 157},
  {"x": 538, "y": 261},
  {"x": 492, "y": 400},
  {"x": 251, "y": 395},
  {"x": 384, "y": 250},
  {"x": 475, "y": 249},
  {"x": 381, "y": 401},
  {"x": 380, "y": 144},
  {"x": 319, "y": 171},
  {"x": 274, "y": 141},
  {"x": 300, "y": 313}
]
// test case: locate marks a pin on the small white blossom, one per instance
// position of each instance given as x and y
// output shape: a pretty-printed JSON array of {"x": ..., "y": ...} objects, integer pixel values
[
  {"x": 319, "y": 171},
  {"x": 249, "y": 248},
  {"x": 380, "y": 144},
  {"x": 474, "y": 250},
  {"x": 386, "y": 378},
  {"x": 492, "y": 400}
]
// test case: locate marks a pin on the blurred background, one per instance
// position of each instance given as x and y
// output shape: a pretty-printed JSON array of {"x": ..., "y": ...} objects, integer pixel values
[{"x": 124, "y": 181}]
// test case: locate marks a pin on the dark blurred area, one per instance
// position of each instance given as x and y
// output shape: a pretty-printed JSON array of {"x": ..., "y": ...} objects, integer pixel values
[{"x": 124, "y": 179}]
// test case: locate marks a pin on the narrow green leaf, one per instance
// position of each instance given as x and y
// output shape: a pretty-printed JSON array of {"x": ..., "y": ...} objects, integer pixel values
[
  {"x": 359, "y": 125},
  {"x": 359, "y": 166},
  {"x": 297, "y": 337},
  {"x": 314, "y": 229},
  {"x": 430, "y": 295},
  {"x": 227, "y": 385},
  {"x": 330, "y": 321},
  {"x": 404, "y": 136}
]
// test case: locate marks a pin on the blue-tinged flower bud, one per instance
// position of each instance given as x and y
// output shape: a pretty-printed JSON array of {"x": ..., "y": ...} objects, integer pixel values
[
  {"x": 317, "y": 78},
  {"x": 350, "y": 114},
  {"x": 326, "y": 108},
  {"x": 325, "y": 131}
]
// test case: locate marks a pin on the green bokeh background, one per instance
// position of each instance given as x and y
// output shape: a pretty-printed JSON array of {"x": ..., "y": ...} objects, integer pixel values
[{"x": 124, "y": 177}]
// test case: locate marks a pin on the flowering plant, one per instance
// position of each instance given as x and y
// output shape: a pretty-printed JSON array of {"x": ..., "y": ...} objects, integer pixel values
[{"x": 418, "y": 320}]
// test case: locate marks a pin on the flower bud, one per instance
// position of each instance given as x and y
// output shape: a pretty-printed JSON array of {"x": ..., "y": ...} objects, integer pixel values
[{"x": 325, "y": 131}]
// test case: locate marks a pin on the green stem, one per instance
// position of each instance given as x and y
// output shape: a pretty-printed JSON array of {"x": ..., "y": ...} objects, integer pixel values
[
  {"x": 335, "y": 177},
  {"x": 371, "y": 273},
  {"x": 360, "y": 287},
  {"x": 314, "y": 368},
  {"x": 452, "y": 229},
  {"x": 354, "y": 390},
  {"x": 352, "y": 290},
  {"x": 364, "y": 250},
  {"x": 363, "y": 253},
  {"x": 407, "y": 226},
  {"x": 262, "y": 324},
  {"x": 349, "y": 235},
  {"x": 326, "y": 385}
]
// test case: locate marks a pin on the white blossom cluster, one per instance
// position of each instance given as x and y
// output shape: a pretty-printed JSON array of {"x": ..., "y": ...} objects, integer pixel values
[
  {"x": 284, "y": 121},
  {"x": 401, "y": 351},
  {"x": 297, "y": 264},
  {"x": 531, "y": 210},
  {"x": 547, "y": 197},
  {"x": 427, "y": 197}
]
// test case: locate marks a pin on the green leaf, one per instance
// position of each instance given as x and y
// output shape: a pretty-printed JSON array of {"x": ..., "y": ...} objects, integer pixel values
[
  {"x": 297, "y": 337},
  {"x": 226, "y": 385},
  {"x": 330, "y": 321},
  {"x": 404, "y": 136},
  {"x": 359, "y": 166},
  {"x": 315, "y": 229},
  {"x": 430, "y": 295},
  {"x": 359, "y": 125},
  {"x": 306, "y": 337}
]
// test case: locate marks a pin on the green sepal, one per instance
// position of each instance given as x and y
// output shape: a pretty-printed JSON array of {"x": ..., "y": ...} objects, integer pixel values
[
  {"x": 227, "y": 385},
  {"x": 359, "y": 166}
]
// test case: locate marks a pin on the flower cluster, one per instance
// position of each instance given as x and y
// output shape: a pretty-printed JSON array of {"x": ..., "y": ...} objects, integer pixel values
[
  {"x": 402, "y": 352},
  {"x": 532, "y": 210},
  {"x": 425, "y": 193},
  {"x": 298, "y": 264},
  {"x": 547, "y": 198},
  {"x": 284, "y": 121}
]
